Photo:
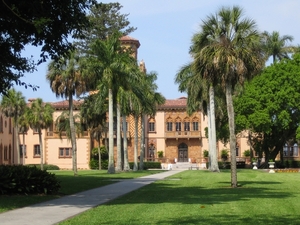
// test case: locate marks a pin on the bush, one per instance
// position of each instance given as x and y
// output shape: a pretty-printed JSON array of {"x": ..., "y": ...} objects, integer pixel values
[
  {"x": 148, "y": 165},
  {"x": 19, "y": 179},
  {"x": 46, "y": 166},
  {"x": 94, "y": 164}
]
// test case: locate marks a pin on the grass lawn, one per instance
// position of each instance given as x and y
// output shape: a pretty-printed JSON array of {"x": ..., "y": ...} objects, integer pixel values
[
  {"x": 202, "y": 197},
  {"x": 70, "y": 184}
]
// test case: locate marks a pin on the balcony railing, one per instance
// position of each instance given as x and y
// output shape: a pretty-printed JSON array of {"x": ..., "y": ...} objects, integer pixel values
[{"x": 183, "y": 134}]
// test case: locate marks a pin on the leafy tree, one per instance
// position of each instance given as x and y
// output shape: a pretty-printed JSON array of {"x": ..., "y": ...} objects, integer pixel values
[
  {"x": 37, "y": 23},
  {"x": 105, "y": 19},
  {"x": 269, "y": 107},
  {"x": 66, "y": 81},
  {"x": 275, "y": 46},
  {"x": 40, "y": 117},
  {"x": 230, "y": 50},
  {"x": 108, "y": 64},
  {"x": 13, "y": 105},
  {"x": 23, "y": 128}
]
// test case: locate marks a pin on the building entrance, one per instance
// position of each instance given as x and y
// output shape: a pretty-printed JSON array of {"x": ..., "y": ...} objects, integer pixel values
[{"x": 183, "y": 153}]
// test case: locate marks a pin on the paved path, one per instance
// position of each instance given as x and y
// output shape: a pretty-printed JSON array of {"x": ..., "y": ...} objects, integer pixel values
[{"x": 57, "y": 210}]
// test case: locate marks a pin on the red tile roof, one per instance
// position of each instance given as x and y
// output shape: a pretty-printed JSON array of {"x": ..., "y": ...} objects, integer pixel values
[{"x": 128, "y": 39}]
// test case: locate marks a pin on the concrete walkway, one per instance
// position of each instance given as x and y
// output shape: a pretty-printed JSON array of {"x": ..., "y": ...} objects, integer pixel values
[{"x": 57, "y": 210}]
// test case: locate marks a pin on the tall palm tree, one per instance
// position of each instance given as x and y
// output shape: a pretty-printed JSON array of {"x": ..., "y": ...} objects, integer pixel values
[
  {"x": 23, "y": 128},
  {"x": 191, "y": 79},
  {"x": 230, "y": 51},
  {"x": 66, "y": 81},
  {"x": 275, "y": 45},
  {"x": 109, "y": 64},
  {"x": 40, "y": 117},
  {"x": 13, "y": 105}
]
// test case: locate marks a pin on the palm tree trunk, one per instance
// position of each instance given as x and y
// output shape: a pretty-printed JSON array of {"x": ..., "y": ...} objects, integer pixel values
[
  {"x": 111, "y": 165},
  {"x": 214, "y": 159},
  {"x": 210, "y": 147},
  {"x": 125, "y": 144},
  {"x": 41, "y": 148},
  {"x": 17, "y": 140},
  {"x": 73, "y": 135},
  {"x": 135, "y": 163},
  {"x": 119, "y": 153},
  {"x": 232, "y": 137},
  {"x": 142, "y": 152},
  {"x": 23, "y": 148}
]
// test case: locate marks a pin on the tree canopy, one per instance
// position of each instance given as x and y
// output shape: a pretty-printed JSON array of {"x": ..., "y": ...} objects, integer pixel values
[
  {"x": 47, "y": 24},
  {"x": 270, "y": 108}
]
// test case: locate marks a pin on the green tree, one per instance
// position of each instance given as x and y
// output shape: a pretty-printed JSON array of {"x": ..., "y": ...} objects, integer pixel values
[
  {"x": 269, "y": 107},
  {"x": 37, "y": 23},
  {"x": 66, "y": 81},
  {"x": 275, "y": 46},
  {"x": 230, "y": 50},
  {"x": 40, "y": 117},
  {"x": 13, "y": 105},
  {"x": 105, "y": 19},
  {"x": 109, "y": 64},
  {"x": 23, "y": 128}
]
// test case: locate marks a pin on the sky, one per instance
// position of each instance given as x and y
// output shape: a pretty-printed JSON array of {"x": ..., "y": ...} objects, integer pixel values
[{"x": 165, "y": 29}]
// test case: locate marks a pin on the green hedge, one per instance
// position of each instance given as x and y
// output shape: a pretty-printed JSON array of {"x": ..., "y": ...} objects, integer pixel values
[
  {"x": 148, "y": 165},
  {"x": 46, "y": 166},
  {"x": 94, "y": 164},
  {"x": 288, "y": 164},
  {"x": 19, "y": 179}
]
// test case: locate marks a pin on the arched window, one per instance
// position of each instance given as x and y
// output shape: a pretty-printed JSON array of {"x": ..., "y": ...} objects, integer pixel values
[
  {"x": 186, "y": 124},
  {"x": 178, "y": 124},
  {"x": 169, "y": 124},
  {"x": 195, "y": 124},
  {"x": 151, "y": 125}
]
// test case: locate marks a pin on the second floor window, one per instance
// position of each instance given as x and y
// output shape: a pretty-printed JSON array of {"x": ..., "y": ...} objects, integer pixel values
[
  {"x": 186, "y": 126},
  {"x": 178, "y": 126},
  {"x": 21, "y": 150},
  {"x": 169, "y": 126},
  {"x": 151, "y": 126},
  {"x": 195, "y": 126}
]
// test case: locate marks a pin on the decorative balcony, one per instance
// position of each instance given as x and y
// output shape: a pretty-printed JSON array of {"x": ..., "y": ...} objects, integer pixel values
[{"x": 183, "y": 134}]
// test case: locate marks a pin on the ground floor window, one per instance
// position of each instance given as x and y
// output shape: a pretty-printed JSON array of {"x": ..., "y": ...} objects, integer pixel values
[
  {"x": 65, "y": 152},
  {"x": 21, "y": 150},
  {"x": 36, "y": 151},
  {"x": 290, "y": 150}
]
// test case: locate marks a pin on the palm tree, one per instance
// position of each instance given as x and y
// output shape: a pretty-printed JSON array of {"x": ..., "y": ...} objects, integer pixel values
[
  {"x": 191, "y": 79},
  {"x": 109, "y": 64},
  {"x": 23, "y": 128},
  {"x": 40, "y": 117},
  {"x": 230, "y": 51},
  {"x": 66, "y": 81},
  {"x": 13, "y": 105},
  {"x": 275, "y": 45}
]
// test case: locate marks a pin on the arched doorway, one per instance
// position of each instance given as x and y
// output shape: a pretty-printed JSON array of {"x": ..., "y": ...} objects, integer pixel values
[{"x": 183, "y": 153}]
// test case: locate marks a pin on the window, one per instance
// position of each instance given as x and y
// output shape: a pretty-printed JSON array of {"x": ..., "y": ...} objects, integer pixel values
[
  {"x": 178, "y": 126},
  {"x": 36, "y": 151},
  {"x": 50, "y": 130},
  {"x": 65, "y": 152},
  {"x": 9, "y": 126},
  {"x": 21, "y": 150},
  {"x": 195, "y": 126},
  {"x": 126, "y": 126},
  {"x": 237, "y": 151},
  {"x": 290, "y": 150},
  {"x": 35, "y": 130},
  {"x": 151, "y": 126},
  {"x": 169, "y": 126},
  {"x": 1, "y": 124},
  {"x": 5, "y": 153},
  {"x": 187, "y": 126}
]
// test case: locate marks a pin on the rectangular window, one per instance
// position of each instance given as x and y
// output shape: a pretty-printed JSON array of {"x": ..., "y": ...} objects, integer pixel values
[
  {"x": 178, "y": 126},
  {"x": 35, "y": 130},
  {"x": 186, "y": 126},
  {"x": 151, "y": 126},
  {"x": 65, "y": 152},
  {"x": 36, "y": 151},
  {"x": 5, "y": 153},
  {"x": 21, "y": 150},
  {"x": 195, "y": 126},
  {"x": 237, "y": 151},
  {"x": 169, "y": 126}
]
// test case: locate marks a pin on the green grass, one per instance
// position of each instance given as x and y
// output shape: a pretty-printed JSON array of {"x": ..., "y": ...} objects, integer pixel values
[
  {"x": 202, "y": 197},
  {"x": 70, "y": 184}
]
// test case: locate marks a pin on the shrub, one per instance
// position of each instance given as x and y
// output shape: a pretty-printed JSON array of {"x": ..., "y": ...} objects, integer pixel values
[
  {"x": 247, "y": 153},
  {"x": 19, "y": 179},
  {"x": 94, "y": 164},
  {"x": 46, "y": 166},
  {"x": 205, "y": 153},
  {"x": 148, "y": 165}
]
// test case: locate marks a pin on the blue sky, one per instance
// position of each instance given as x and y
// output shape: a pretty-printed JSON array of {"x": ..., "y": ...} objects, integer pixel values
[{"x": 165, "y": 28}]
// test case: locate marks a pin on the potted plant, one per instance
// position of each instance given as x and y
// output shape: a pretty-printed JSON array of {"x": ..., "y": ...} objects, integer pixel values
[
  {"x": 247, "y": 154},
  {"x": 271, "y": 165},
  {"x": 224, "y": 154},
  {"x": 205, "y": 155},
  {"x": 160, "y": 154}
]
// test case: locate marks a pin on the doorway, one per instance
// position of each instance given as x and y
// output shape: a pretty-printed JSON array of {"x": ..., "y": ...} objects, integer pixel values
[{"x": 183, "y": 153}]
